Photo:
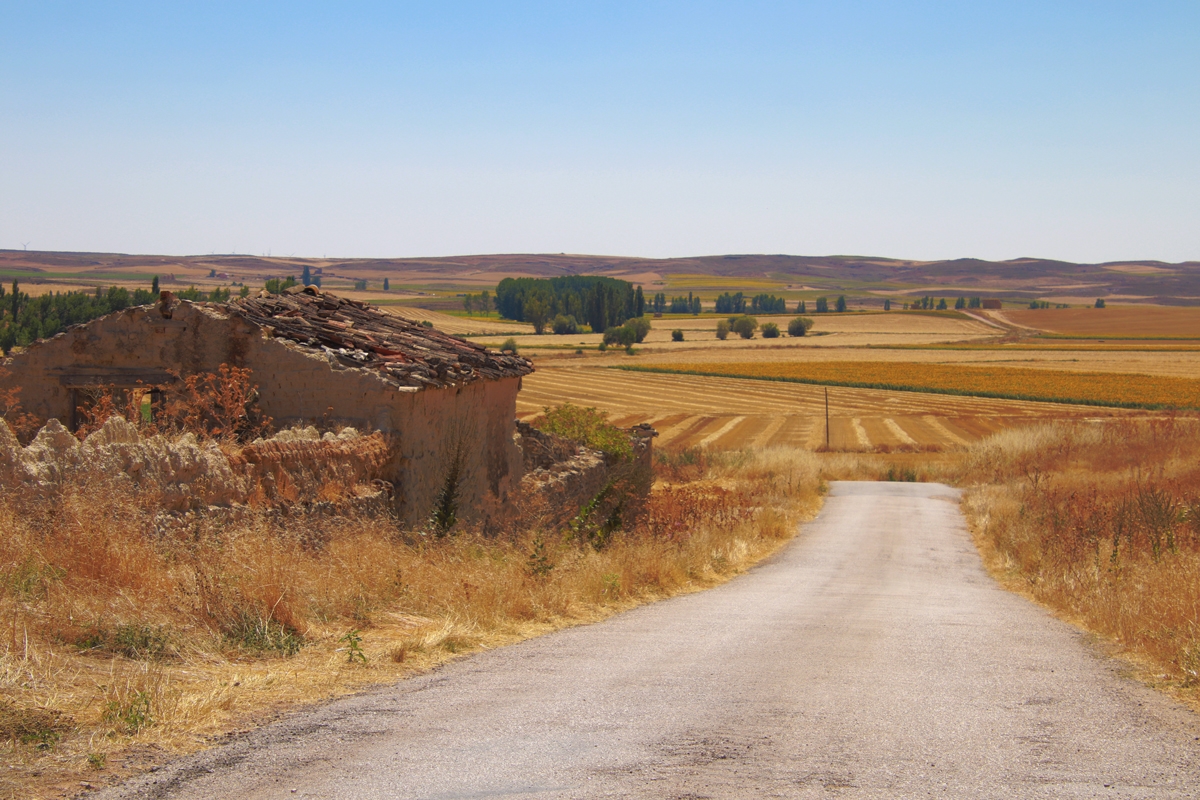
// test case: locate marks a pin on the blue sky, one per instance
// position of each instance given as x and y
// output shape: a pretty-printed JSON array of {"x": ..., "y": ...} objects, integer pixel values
[{"x": 919, "y": 130}]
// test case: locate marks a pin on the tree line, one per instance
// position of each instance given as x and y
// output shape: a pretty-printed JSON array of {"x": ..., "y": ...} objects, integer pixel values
[
  {"x": 599, "y": 302},
  {"x": 25, "y": 319}
]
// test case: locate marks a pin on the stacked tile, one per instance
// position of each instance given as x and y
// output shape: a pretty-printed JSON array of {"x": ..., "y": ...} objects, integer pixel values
[{"x": 362, "y": 335}]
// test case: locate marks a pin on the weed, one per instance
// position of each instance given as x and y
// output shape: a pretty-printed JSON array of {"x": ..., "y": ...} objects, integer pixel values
[
  {"x": 39, "y": 727},
  {"x": 130, "y": 640},
  {"x": 898, "y": 473},
  {"x": 31, "y": 579},
  {"x": 263, "y": 635},
  {"x": 353, "y": 641},
  {"x": 132, "y": 713},
  {"x": 97, "y": 761},
  {"x": 539, "y": 563}
]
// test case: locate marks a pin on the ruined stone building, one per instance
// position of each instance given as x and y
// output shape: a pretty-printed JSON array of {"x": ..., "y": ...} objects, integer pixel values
[{"x": 315, "y": 357}]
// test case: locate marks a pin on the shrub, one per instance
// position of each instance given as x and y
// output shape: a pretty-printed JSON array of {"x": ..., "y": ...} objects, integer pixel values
[
  {"x": 632, "y": 332},
  {"x": 744, "y": 326},
  {"x": 770, "y": 330},
  {"x": 563, "y": 325},
  {"x": 588, "y": 427},
  {"x": 602, "y": 346},
  {"x": 640, "y": 327},
  {"x": 677, "y": 335},
  {"x": 799, "y": 326},
  {"x": 722, "y": 329},
  {"x": 509, "y": 346}
]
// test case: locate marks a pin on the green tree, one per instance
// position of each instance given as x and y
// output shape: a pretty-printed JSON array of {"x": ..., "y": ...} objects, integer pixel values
[
  {"x": 722, "y": 330},
  {"x": 841, "y": 302},
  {"x": 306, "y": 276},
  {"x": 941, "y": 306},
  {"x": 822, "y": 305},
  {"x": 536, "y": 312},
  {"x": 1100, "y": 303},
  {"x": 887, "y": 304},
  {"x": 677, "y": 335},
  {"x": 387, "y": 285},
  {"x": 564, "y": 325},
  {"x": 802, "y": 307},
  {"x": 468, "y": 303},
  {"x": 639, "y": 303},
  {"x": 154, "y": 285},
  {"x": 960, "y": 304},
  {"x": 799, "y": 326},
  {"x": 770, "y": 330},
  {"x": 744, "y": 326}
]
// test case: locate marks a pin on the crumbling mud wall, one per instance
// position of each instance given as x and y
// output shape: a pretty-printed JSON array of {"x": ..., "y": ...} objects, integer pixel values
[
  {"x": 293, "y": 467},
  {"x": 566, "y": 476},
  {"x": 428, "y": 429}
]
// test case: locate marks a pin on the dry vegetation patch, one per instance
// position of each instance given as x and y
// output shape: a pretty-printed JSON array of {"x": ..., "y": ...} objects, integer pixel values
[
  {"x": 1102, "y": 523},
  {"x": 131, "y": 634}
]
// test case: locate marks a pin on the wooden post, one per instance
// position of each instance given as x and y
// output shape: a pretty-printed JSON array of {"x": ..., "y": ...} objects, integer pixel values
[{"x": 826, "y": 417}]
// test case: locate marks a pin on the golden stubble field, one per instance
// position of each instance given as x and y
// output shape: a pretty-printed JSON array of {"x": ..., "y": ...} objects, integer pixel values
[
  {"x": 731, "y": 413},
  {"x": 727, "y": 412}
]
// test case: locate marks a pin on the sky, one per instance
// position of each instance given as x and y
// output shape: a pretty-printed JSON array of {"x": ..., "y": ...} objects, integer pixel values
[{"x": 922, "y": 130}]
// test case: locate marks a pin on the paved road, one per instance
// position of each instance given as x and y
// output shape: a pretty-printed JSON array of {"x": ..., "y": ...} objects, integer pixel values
[{"x": 872, "y": 658}]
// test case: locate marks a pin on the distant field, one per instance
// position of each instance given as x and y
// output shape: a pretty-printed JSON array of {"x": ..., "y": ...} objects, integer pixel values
[
  {"x": 730, "y": 413},
  {"x": 1092, "y": 388},
  {"x": 460, "y": 326},
  {"x": 1112, "y": 321}
]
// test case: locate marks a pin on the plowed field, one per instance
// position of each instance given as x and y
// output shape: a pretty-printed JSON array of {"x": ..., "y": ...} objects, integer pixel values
[
  {"x": 728, "y": 413},
  {"x": 1113, "y": 322}
]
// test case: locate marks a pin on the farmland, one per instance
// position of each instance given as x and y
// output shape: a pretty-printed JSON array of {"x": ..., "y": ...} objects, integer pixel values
[
  {"x": 1113, "y": 322},
  {"x": 1091, "y": 388},
  {"x": 729, "y": 413}
]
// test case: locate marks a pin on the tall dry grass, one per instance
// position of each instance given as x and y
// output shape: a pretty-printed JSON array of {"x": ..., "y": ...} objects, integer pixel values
[
  {"x": 1101, "y": 521},
  {"x": 128, "y": 633}
]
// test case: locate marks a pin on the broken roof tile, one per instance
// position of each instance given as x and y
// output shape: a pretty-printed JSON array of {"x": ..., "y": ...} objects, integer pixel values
[{"x": 362, "y": 335}]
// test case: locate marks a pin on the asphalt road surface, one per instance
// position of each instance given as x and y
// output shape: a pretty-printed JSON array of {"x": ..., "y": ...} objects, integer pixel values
[{"x": 873, "y": 658}]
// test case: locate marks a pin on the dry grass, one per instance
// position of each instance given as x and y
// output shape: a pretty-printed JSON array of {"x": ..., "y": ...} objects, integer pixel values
[
  {"x": 1093, "y": 388},
  {"x": 129, "y": 637},
  {"x": 1101, "y": 522}
]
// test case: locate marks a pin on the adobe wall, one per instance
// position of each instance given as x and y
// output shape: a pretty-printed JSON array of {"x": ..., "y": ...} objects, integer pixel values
[{"x": 295, "y": 385}]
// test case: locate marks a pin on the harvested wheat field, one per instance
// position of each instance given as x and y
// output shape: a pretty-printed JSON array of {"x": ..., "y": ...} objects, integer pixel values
[
  {"x": 1131, "y": 320},
  {"x": 731, "y": 413},
  {"x": 829, "y": 330},
  {"x": 1178, "y": 360},
  {"x": 1090, "y": 388},
  {"x": 459, "y": 326}
]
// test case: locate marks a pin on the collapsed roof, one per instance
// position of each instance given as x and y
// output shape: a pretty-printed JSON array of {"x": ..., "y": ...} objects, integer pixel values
[{"x": 359, "y": 334}]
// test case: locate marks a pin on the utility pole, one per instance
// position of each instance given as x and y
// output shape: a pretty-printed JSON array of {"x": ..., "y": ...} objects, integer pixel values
[{"x": 826, "y": 417}]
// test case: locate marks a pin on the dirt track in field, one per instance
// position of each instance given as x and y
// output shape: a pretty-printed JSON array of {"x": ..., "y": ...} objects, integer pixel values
[{"x": 728, "y": 413}]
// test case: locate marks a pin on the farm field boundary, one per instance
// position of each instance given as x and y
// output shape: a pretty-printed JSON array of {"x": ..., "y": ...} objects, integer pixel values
[{"x": 1117, "y": 390}]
